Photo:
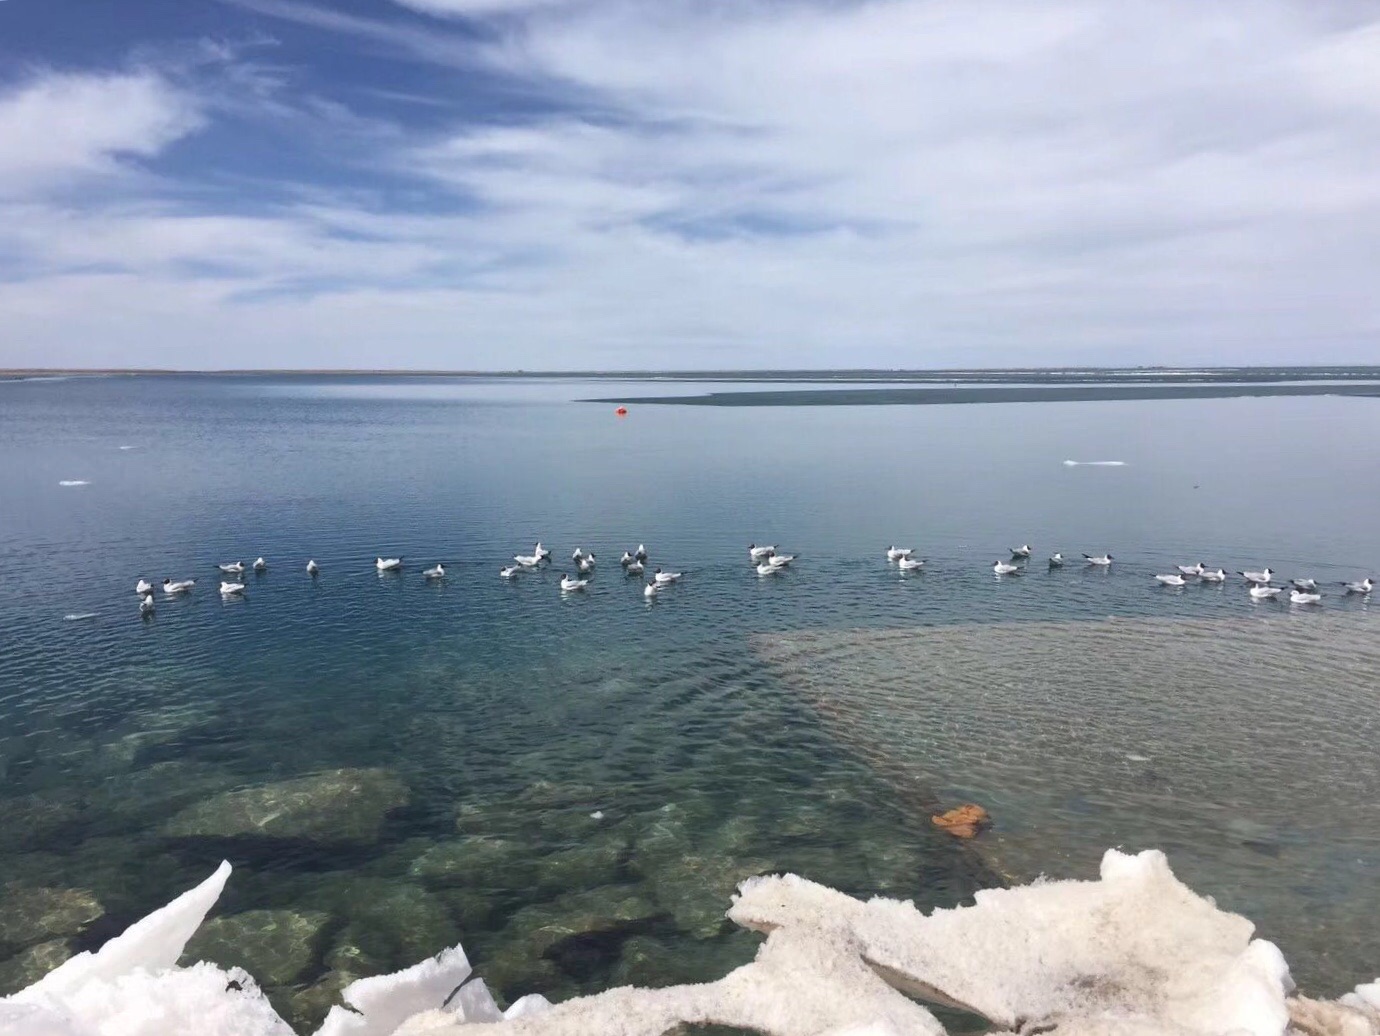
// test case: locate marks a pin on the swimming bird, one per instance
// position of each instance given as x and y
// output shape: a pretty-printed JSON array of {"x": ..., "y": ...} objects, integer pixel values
[
  {"x": 1003, "y": 568},
  {"x": 541, "y": 553},
  {"x": 1304, "y": 584},
  {"x": 439, "y": 572},
  {"x": 1263, "y": 578},
  {"x": 1171, "y": 580},
  {"x": 585, "y": 564},
  {"x": 640, "y": 553},
  {"x": 577, "y": 555},
  {"x": 260, "y": 565},
  {"x": 1099, "y": 559},
  {"x": 142, "y": 587},
  {"x": 1299, "y": 597},
  {"x": 1260, "y": 591},
  {"x": 897, "y": 553},
  {"x": 568, "y": 584},
  {"x": 909, "y": 564},
  {"x": 527, "y": 560},
  {"x": 1021, "y": 552},
  {"x": 1210, "y": 576},
  {"x": 766, "y": 568},
  {"x": 146, "y": 604},
  {"x": 232, "y": 569},
  {"x": 664, "y": 578},
  {"x": 1363, "y": 587},
  {"x": 312, "y": 567},
  {"x": 181, "y": 587},
  {"x": 626, "y": 560},
  {"x": 1056, "y": 560},
  {"x": 757, "y": 553},
  {"x": 634, "y": 568},
  {"x": 781, "y": 560},
  {"x": 510, "y": 571},
  {"x": 651, "y": 590},
  {"x": 1191, "y": 570},
  {"x": 230, "y": 589},
  {"x": 388, "y": 564}
]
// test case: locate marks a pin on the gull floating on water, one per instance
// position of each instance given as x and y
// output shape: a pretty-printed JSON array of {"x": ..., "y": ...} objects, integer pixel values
[
  {"x": 1003, "y": 568},
  {"x": 1191, "y": 570},
  {"x": 640, "y": 553},
  {"x": 909, "y": 564},
  {"x": 757, "y": 553},
  {"x": 180, "y": 587},
  {"x": 585, "y": 564},
  {"x": 230, "y": 589},
  {"x": 766, "y": 568},
  {"x": 510, "y": 571},
  {"x": 1262, "y": 578},
  {"x": 438, "y": 572},
  {"x": 232, "y": 569},
  {"x": 1021, "y": 552},
  {"x": 781, "y": 560},
  {"x": 1171, "y": 580},
  {"x": 527, "y": 560},
  {"x": 388, "y": 564},
  {"x": 1304, "y": 584},
  {"x": 146, "y": 604},
  {"x": 897, "y": 553},
  {"x": 1056, "y": 560},
  {"x": 1261, "y": 590},
  {"x": 260, "y": 565},
  {"x": 577, "y": 555},
  {"x": 663, "y": 578},
  {"x": 1210, "y": 576},
  {"x": 651, "y": 589},
  {"x": 1363, "y": 587},
  {"x": 626, "y": 560},
  {"x": 142, "y": 587},
  {"x": 635, "y": 568},
  {"x": 540, "y": 552},
  {"x": 1299, "y": 597},
  {"x": 1099, "y": 559},
  {"x": 568, "y": 584},
  {"x": 312, "y": 568}
]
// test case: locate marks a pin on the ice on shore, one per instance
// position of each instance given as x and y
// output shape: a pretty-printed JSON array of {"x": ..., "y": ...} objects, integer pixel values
[{"x": 1134, "y": 952}]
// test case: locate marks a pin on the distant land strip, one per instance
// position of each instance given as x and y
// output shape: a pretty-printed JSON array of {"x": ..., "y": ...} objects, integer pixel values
[{"x": 989, "y": 394}]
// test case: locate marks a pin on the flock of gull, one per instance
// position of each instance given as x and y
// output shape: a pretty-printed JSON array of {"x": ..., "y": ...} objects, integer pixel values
[{"x": 768, "y": 561}]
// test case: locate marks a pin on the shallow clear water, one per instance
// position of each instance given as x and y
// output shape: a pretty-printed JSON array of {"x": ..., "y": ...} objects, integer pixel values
[{"x": 492, "y": 718}]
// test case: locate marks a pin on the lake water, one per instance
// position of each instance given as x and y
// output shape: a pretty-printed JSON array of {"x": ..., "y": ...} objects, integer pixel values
[{"x": 573, "y": 785}]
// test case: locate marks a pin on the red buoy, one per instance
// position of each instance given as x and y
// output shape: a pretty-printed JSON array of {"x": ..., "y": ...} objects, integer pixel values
[{"x": 622, "y": 411}]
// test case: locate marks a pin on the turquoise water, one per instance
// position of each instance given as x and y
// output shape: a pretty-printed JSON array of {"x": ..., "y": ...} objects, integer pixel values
[{"x": 491, "y": 719}]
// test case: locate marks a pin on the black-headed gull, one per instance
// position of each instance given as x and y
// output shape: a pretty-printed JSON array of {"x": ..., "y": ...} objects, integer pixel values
[
  {"x": 1262, "y": 578},
  {"x": 231, "y": 589},
  {"x": 146, "y": 604},
  {"x": 388, "y": 564},
  {"x": 757, "y": 553},
  {"x": 1003, "y": 568},
  {"x": 585, "y": 563},
  {"x": 1304, "y": 584},
  {"x": 1363, "y": 587},
  {"x": 897, "y": 553},
  {"x": 634, "y": 568},
  {"x": 1260, "y": 591},
  {"x": 651, "y": 589},
  {"x": 663, "y": 578},
  {"x": 142, "y": 587},
  {"x": 180, "y": 587},
  {"x": 1099, "y": 559},
  {"x": 438, "y": 572},
  {"x": 510, "y": 571},
  {"x": 1171, "y": 580},
  {"x": 527, "y": 560},
  {"x": 232, "y": 569},
  {"x": 569, "y": 585},
  {"x": 910, "y": 564},
  {"x": 260, "y": 565},
  {"x": 540, "y": 552},
  {"x": 1191, "y": 570},
  {"x": 312, "y": 567},
  {"x": 640, "y": 553},
  {"x": 1208, "y": 575},
  {"x": 781, "y": 560},
  {"x": 1056, "y": 560},
  {"x": 1021, "y": 552},
  {"x": 1299, "y": 597}
]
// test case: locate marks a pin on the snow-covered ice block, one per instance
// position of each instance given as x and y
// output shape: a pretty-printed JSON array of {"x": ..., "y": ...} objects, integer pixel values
[{"x": 384, "y": 1002}]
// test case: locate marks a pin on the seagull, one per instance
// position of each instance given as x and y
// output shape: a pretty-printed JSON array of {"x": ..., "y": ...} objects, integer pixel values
[
  {"x": 1305, "y": 584},
  {"x": 909, "y": 564},
  {"x": 230, "y": 589},
  {"x": 510, "y": 571},
  {"x": 1209, "y": 576},
  {"x": 1191, "y": 570},
  {"x": 663, "y": 578},
  {"x": 766, "y": 568},
  {"x": 312, "y": 567},
  {"x": 1002, "y": 568},
  {"x": 1099, "y": 559},
  {"x": 438, "y": 572},
  {"x": 577, "y": 555},
  {"x": 1263, "y": 578},
  {"x": 1363, "y": 587},
  {"x": 568, "y": 584},
  {"x": 1056, "y": 560},
  {"x": 1172, "y": 580},
  {"x": 634, "y": 568},
  {"x": 527, "y": 560},
  {"x": 388, "y": 564},
  {"x": 233, "y": 569},
  {"x": 541, "y": 553},
  {"x": 626, "y": 560},
  {"x": 142, "y": 587},
  {"x": 781, "y": 560},
  {"x": 1260, "y": 591},
  {"x": 260, "y": 565},
  {"x": 1299, "y": 597},
  {"x": 170, "y": 588},
  {"x": 1021, "y": 552},
  {"x": 585, "y": 564},
  {"x": 651, "y": 590},
  {"x": 146, "y": 605},
  {"x": 897, "y": 553},
  {"x": 640, "y": 553},
  {"x": 757, "y": 553}
]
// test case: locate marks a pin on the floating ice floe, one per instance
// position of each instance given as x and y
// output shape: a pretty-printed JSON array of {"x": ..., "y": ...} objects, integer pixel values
[
  {"x": 1136, "y": 952},
  {"x": 69, "y": 482}
]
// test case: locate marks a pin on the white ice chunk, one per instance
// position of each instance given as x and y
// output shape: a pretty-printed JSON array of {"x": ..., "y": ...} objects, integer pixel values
[
  {"x": 474, "y": 1003},
  {"x": 384, "y": 1002},
  {"x": 532, "y": 1003}
]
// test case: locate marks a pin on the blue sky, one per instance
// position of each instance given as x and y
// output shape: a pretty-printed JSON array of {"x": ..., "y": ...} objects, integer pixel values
[{"x": 563, "y": 184}]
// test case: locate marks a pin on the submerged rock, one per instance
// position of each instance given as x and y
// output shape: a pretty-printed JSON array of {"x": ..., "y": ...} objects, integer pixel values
[
  {"x": 29, "y": 915},
  {"x": 275, "y": 946},
  {"x": 28, "y": 967},
  {"x": 347, "y": 806},
  {"x": 479, "y": 861},
  {"x": 388, "y": 923},
  {"x": 35, "y": 821},
  {"x": 693, "y": 889}
]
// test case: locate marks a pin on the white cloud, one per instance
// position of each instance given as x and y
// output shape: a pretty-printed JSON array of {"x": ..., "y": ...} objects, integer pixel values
[{"x": 56, "y": 127}]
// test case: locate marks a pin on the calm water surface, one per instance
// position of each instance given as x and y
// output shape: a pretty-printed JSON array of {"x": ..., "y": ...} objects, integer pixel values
[{"x": 481, "y": 722}]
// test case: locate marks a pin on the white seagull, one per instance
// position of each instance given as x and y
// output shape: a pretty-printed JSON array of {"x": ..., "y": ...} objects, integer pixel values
[
  {"x": 640, "y": 553},
  {"x": 388, "y": 564},
  {"x": 142, "y": 587},
  {"x": 781, "y": 560},
  {"x": 1299, "y": 597},
  {"x": 540, "y": 552},
  {"x": 1099, "y": 559},
  {"x": 585, "y": 564},
  {"x": 1003, "y": 568},
  {"x": 1363, "y": 587},
  {"x": 626, "y": 560},
  {"x": 439, "y": 572},
  {"x": 766, "y": 568},
  {"x": 312, "y": 567},
  {"x": 1191, "y": 570},
  {"x": 1207, "y": 575},
  {"x": 181, "y": 587},
  {"x": 527, "y": 560},
  {"x": 233, "y": 569},
  {"x": 651, "y": 590},
  {"x": 1021, "y": 552},
  {"x": 577, "y": 555},
  {"x": 663, "y": 578},
  {"x": 1171, "y": 580},
  {"x": 568, "y": 584},
  {"x": 634, "y": 568},
  {"x": 1262, "y": 578},
  {"x": 230, "y": 589},
  {"x": 260, "y": 565},
  {"x": 510, "y": 571},
  {"x": 146, "y": 604},
  {"x": 1305, "y": 584},
  {"x": 1260, "y": 591},
  {"x": 910, "y": 564},
  {"x": 1056, "y": 560},
  {"x": 897, "y": 553},
  {"x": 757, "y": 553}
]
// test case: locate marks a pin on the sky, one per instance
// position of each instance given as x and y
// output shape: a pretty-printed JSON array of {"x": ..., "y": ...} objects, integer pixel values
[{"x": 688, "y": 184}]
